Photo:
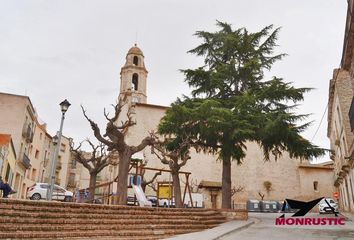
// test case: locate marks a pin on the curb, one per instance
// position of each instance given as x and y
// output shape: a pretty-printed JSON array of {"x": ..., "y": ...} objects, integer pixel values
[{"x": 253, "y": 221}]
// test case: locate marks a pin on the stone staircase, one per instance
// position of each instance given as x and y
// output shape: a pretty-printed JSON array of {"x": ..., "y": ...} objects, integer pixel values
[{"x": 25, "y": 219}]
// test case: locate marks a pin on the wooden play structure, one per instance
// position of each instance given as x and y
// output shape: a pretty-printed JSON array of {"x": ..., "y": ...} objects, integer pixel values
[{"x": 105, "y": 192}]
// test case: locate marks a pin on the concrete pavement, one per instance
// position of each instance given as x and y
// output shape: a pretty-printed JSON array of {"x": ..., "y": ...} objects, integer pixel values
[
  {"x": 262, "y": 224},
  {"x": 217, "y": 232},
  {"x": 266, "y": 229}
]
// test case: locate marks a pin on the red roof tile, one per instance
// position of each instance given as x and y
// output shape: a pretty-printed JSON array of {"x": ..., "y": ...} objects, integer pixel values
[{"x": 5, "y": 139}]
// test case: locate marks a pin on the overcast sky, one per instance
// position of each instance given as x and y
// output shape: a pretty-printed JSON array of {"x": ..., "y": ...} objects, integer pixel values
[{"x": 52, "y": 50}]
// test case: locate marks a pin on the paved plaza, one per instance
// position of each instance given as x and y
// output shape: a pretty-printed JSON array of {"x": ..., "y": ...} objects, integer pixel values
[{"x": 265, "y": 228}]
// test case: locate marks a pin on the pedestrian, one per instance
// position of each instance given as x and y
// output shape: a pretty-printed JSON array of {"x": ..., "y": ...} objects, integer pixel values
[
  {"x": 86, "y": 194},
  {"x": 6, "y": 189},
  {"x": 78, "y": 195}
]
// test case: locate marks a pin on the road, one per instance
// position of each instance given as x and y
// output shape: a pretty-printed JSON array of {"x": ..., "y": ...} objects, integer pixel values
[{"x": 265, "y": 228}]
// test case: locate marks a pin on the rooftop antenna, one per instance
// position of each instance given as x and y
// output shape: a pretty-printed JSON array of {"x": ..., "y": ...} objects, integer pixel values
[{"x": 136, "y": 37}]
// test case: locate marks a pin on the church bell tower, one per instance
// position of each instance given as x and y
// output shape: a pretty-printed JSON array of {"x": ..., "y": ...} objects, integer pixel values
[{"x": 133, "y": 76}]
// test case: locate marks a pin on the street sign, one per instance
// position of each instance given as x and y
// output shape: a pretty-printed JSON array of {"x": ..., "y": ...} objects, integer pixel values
[{"x": 335, "y": 195}]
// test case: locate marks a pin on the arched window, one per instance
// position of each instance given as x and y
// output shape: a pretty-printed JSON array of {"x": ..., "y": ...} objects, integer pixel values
[
  {"x": 135, "y": 60},
  {"x": 315, "y": 185},
  {"x": 135, "y": 81}
]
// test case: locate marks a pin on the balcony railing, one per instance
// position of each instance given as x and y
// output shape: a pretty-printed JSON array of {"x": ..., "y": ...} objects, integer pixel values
[
  {"x": 27, "y": 133},
  {"x": 26, "y": 162}
]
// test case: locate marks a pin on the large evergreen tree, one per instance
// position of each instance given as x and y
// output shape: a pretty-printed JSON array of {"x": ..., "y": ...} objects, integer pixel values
[{"x": 232, "y": 103}]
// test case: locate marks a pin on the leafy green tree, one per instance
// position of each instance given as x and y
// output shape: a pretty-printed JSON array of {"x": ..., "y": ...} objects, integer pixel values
[{"x": 232, "y": 103}]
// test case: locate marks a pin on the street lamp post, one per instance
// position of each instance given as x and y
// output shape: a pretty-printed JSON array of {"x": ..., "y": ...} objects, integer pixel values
[{"x": 64, "y": 105}]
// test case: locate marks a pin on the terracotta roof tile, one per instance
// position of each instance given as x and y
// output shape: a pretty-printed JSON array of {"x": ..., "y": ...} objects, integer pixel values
[{"x": 5, "y": 139}]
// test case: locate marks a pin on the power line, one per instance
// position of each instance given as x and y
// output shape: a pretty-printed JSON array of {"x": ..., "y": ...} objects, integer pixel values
[{"x": 319, "y": 125}]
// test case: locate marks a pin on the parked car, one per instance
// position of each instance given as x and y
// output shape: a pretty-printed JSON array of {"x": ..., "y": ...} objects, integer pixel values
[
  {"x": 323, "y": 206},
  {"x": 39, "y": 191},
  {"x": 164, "y": 202},
  {"x": 153, "y": 200}
]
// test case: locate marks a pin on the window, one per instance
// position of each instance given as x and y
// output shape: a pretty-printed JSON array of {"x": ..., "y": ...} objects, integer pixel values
[
  {"x": 62, "y": 147},
  {"x": 28, "y": 173},
  {"x": 135, "y": 60},
  {"x": 40, "y": 136},
  {"x": 34, "y": 174},
  {"x": 21, "y": 148},
  {"x": 45, "y": 186},
  {"x": 351, "y": 115},
  {"x": 338, "y": 112},
  {"x": 73, "y": 163},
  {"x": 71, "y": 179},
  {"x": 135, "y": 81},
  {"x": 315, "y": 185},
  {"x": 36, "y": 155},
  {"x": 7, "y": 174}
]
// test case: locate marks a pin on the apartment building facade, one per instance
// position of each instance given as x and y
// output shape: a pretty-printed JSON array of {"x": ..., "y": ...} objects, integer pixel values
[
  {"x": 33, "y": 145},
  {"x": 341, "y": 118}
]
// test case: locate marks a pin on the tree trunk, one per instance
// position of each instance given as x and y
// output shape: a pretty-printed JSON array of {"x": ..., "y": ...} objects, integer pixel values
[
  {"x": 176, "y": 188},
  {"x": 226, "y": 183},
  {"x": 91, "y": 195},
  {"x": 123, "y": 170},
  {"x": 143, "y": 186}
]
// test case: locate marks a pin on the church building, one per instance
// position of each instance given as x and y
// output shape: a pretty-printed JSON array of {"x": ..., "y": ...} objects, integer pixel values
[{"x": 254, "y": 179}]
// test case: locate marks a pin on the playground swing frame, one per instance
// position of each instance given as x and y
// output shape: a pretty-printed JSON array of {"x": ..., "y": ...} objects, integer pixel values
[{"x": 186, "y": 187}]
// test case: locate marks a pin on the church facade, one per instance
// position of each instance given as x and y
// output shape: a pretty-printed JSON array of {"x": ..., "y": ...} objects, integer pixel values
[{"x": 254, "y": 179}]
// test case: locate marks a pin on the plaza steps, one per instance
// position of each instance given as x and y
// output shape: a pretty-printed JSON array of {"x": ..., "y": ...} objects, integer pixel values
[{"x": 26, "y": 219}]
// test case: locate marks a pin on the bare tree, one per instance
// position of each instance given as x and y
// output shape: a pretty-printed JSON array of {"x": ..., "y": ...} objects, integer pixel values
[
  {"x": 175, "y": 159},
  {"x": 94, "y": 162},
  {"x": 114, "y": 139},
  {"x": 144, "y": 181},
  {"x": 193, "y": 185},
  {"x": 236, "y": 190},
  {"x": 261, "y": 195},
  {"x": 153, "y": 185}
]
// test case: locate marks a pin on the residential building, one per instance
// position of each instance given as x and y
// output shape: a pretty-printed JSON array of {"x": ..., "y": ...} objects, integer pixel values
[
  {"x": 33, "y": 145},
  {"x": 341, "y": 118},
  {"x": 7, "y": 158},
  {"x": 19, "y": 120}
]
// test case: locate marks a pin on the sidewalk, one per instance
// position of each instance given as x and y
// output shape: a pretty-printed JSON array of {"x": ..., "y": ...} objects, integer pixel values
[{"x": 217, "y": 232}]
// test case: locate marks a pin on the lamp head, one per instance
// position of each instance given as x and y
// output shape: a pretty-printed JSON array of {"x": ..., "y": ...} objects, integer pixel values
[
  {"x": 64, "y": 105},
  {"x": 55, "y": 140}
]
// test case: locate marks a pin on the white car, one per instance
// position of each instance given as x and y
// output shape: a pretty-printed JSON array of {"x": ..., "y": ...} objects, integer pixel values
[
  {"x": 39, "y": 191},
  {"x": 324, "y": 208}
]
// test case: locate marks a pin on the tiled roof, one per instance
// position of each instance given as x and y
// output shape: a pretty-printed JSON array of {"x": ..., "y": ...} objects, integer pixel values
[
  {"x": 5, "y": 139},
  {"x": 210, "y": 184}
]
